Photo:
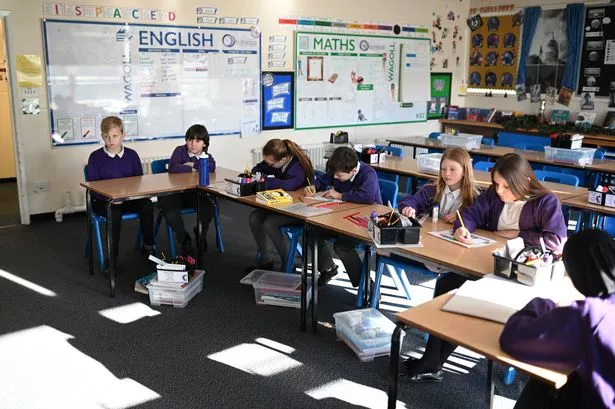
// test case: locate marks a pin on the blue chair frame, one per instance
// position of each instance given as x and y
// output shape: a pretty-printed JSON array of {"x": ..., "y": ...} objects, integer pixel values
[{"x": 484, "y": 166}]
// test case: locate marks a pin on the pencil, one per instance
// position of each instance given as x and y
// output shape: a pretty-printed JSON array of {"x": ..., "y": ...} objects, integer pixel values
[
  {"x": 352, "y": 215},
  {"x": 460, "y": 219}
]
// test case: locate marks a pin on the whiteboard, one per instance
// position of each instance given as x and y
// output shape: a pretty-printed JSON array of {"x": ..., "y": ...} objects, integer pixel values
[
  {"x": 159, "y": 79},
  {"x": 354, "y": 79}
]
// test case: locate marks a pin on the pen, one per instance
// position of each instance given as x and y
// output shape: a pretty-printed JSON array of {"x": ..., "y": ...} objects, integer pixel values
[
  {"x": 64, "y": 134},
  {"x": 461, "y": 220},
  {"x": 86, "y": 133}
]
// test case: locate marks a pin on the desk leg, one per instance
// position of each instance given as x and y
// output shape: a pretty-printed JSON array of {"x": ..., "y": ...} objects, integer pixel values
[
  {"x": 490, "y": 387},
  {"x": 111, "y": 256},
  {"x": 198, "y": 228},
  {"x": 304, "y": 268},
  {"x": 370, "y": 256},
  {"x": 394, "y": 365},
  {"x": 314, "y": 245},
  {"x": 88, "y": 216}
]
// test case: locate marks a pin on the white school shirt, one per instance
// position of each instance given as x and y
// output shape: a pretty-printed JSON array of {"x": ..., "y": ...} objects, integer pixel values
[
  {"x": 450, "y": 201},
  {"x": 509, "y": 218},
  {"x": 113, "y": 155},
  {"x": 202, "y": 155}
]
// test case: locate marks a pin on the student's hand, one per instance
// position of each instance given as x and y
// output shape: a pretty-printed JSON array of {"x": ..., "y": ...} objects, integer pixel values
[
  {"x": 507, "y": 234},
  {"x": 332, "y": 194},
  {"x": 408, "y": 211},
  {"x": 463, "y": 235},
  {"x": 449, "y": 218},
  {"x": 310, "y": 190}
]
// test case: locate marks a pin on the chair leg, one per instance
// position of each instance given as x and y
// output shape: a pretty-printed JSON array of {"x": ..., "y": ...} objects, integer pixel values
[
  {"x": 171, "y": 237},
  {"x": 219, "y": 241},
  {"x": 376, "y": 289},
  {"x": 509, "y": 376},
  {"x": 99, "y": 245},
  {"x": 292, "y": 249},
  {"x": 361, "y": 289}
]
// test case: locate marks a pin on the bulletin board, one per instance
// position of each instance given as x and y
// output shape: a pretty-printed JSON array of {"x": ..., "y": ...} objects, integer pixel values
[
  {"x": 440, "y": 85},
  {"x": 494, "y": 53},
  {"x": 354, "y": 79},
  {"x": 278, "y": 89},
  {"x": 159, "y": 79},
  {"x": 598, "y": 52}
]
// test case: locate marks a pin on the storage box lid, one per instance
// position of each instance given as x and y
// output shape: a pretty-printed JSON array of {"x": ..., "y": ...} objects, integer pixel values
[
  {"x": 283, "y": 281},
  {"x": 366, "y": 324}
]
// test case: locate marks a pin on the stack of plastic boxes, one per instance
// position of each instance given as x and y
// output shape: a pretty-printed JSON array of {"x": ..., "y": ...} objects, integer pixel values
[
  {"x": 580, "y": 157},
  {"x": 367, "y": 332},
  {"x": 281, "y": 289},
  {"x": 176, "y": 294},
  {"x": 468, "y": 141},
  {"x": 429, "y": 163}
]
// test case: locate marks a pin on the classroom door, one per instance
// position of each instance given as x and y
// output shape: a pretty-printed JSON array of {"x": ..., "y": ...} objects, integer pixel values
[{"x": 9, "y": 198}]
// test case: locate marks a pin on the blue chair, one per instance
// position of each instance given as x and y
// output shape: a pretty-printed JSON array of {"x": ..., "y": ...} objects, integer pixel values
[
  {"x": 162, "y": 166},
  {"x": 434, "y": 135},
  {"x": 393, "y": 177},
  {"x": 528, "y": 146},
  {"x": 563, "y": 178},
  {"x": 484, "y": 166},
  {"x": 488, "y": 141},
  {"x": 96, "y": 221}
]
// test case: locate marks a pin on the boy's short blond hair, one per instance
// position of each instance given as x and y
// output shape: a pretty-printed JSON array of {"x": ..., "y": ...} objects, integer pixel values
[{"x": 110, "y": 122}]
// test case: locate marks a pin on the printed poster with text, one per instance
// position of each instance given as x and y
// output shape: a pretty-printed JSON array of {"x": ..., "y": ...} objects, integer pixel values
[{"x": 350, "y": 80}]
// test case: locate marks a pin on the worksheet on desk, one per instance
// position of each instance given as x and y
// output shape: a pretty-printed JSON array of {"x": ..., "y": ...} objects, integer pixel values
[
  {"x": 301, "y": 209},
  {"x": 477, "y": 241}
]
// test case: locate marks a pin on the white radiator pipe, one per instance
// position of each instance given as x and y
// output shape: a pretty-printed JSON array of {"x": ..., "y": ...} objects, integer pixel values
[{"x": 68, "y": 208}]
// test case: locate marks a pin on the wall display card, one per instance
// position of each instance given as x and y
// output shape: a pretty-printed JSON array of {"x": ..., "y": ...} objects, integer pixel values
[
  {"x": 494, "y": 53},
  {"x": 598, "y": 53},
  {"x": 158, "y": 79},
  {"x": 348, "y": 79},
  {"x": 278, "y": 100},
  {"x": 440, "y": 86}
]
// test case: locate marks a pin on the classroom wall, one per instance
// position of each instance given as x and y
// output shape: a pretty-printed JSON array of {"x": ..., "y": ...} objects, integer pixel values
[
  {"x": 61, "y": 167},
  {"x": 7, "y": 156},
  {"x": 510, "y": 103}
]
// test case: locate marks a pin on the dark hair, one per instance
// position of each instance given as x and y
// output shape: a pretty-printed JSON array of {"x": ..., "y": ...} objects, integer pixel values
[
  {"x": 589, "y": 258},
  {"x": 198, "y": 131},
  {"x": 110, "y": 122},
  {"x": 280, "y": 149},
  {"x": 343, "y": 159},
  {"x": 518, "y": 173}
]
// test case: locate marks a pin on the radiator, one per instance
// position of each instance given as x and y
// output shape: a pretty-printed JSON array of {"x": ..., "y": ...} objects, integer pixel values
[{"x": 315, "y": 151}]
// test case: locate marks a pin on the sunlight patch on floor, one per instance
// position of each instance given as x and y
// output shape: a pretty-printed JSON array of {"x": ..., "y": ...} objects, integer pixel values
[
  {"x": 255, "y": 359},
  {"x": 352, "y": 393},
  {"x": 28, "y": 284},
  {"x": 126, "y": 314}
]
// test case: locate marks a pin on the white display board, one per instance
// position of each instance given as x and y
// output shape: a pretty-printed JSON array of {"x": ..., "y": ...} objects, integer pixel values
[
  {"x": 354, "y": 79},
  {"x": 159, "y": 79}
]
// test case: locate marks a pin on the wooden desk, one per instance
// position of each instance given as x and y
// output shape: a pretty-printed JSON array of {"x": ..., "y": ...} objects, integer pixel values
[
  {"x": 135, "y": 187},
  {"x": 580, "y": 202},
  {"x": 477, "y": 334},
  {"x": 409, "y": 167}
]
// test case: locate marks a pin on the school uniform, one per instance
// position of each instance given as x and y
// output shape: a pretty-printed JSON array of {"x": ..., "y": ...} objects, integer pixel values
[
  {"x": 424, "y": 200},
  {"x": 103, "y": 165},
  {"x": 363, "y": 187},
  {"x": 576, "y": 338},
  {"x": 171, "y": 205},
  {"x": 535, "y": 218},
  {"x": 289, "y": 177}
]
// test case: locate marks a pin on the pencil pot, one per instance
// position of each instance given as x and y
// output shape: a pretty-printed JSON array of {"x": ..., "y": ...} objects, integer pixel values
[
  {"x": 244, "y": 189},
  {"x": 204, "y": 172},
  {"x": 396, "y": 234},
  {"x": 526, "y": 274}
]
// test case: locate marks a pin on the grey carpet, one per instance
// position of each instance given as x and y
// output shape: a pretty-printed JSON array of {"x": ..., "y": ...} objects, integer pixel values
[
  {"x": 168, "y": 353},
  {"x": 9, "y": 204}
]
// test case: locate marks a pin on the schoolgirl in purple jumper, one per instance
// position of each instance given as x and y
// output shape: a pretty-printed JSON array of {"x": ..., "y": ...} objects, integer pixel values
[
  {"x": 578, "y": 338},
  {"x": 516, "y": 205}
]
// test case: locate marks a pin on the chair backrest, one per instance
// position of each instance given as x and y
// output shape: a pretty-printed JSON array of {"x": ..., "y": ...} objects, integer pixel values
[
  {"x": 599, "y": 154},
  {"x": 160, "y": 166},
  {"x": 388, "y": 191},
  {"x": 318, "y": 173},
  {"x": 526, "y": 146},
  {"x": 434, "y": 135},
  {"x": 488, "y": 141},
  {"x": 85, "y": 173},
  {"x": 564, "y": 178},
  {"x": 390, "y": 150},
  {"x": 484, "y": 166}
]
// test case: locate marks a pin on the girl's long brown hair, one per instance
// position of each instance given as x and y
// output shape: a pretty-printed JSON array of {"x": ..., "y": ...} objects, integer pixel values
[
  {"x": 279, "y": 149},
  {"x": 518, "y": 173},
  {"x": 468, "y": 186}
]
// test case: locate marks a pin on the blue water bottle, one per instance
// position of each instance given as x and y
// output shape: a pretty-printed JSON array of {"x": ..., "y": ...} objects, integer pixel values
[{"x": 204, "y": 171}]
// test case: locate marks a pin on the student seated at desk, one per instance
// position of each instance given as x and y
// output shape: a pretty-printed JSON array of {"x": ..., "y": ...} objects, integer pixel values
[
  {"x": 186, "y": 158},
  {"x": 113, "y": 161},
  {"x": 454, "y": 190},
  {"x": 516, "y": 205},
  {"x": 579, "y": 338},
  {"x": 349, "y": 180},
  {"x": 286, "y": 166}
]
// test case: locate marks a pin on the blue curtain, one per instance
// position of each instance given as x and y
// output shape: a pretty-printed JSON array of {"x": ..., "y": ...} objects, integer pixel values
[
  {"x": 575, "y": 15},
  {"x": 530, "y": 20}
]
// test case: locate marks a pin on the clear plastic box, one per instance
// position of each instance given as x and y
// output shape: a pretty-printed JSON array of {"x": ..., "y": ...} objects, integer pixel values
[
  {"x": 429, "y": 163},
  {"x": 581, "y": 156},
  {"x": 172, "y": 294},
  {"x": 467, "y": 141},
  {"x": 282, "y": 289},
  {"x": 367, "y": 332}
]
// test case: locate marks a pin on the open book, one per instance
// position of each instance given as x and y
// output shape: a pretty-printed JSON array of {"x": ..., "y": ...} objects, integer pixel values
[{"x": 492, "y": 298}]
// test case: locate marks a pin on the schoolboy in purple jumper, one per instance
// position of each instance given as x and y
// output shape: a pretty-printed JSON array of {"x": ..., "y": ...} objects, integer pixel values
[
  {"x": 516, "y": 205},
  {"x": 113, "y": 161},
  {"x": 186, "y": 158},
  {"x": 579, "y": 338},
  {"x": 349, "y": 180}
]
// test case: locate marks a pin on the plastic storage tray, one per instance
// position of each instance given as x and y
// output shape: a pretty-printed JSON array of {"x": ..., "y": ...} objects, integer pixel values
[
  {"x": 467, "y": 141},
  {"x": 178, "y": 297},
  {"x": 581, "y": 157},
  {"x": 429, "y": 163},
  {"x": 367, "y": 332},
  {"x": 281, "y": 289}
]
